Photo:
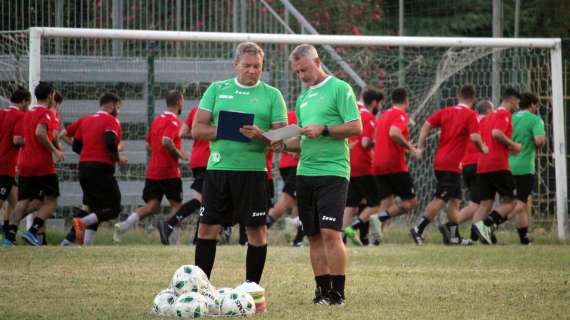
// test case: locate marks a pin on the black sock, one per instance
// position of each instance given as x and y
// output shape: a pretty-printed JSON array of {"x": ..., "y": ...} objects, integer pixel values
[
  {"x": 357, "y": 224},
  {"x": 384, "y": 215},
  {"x": 494, "y": 219},
  {"x": 299, "y": 236},
  {"x": 523, "y": 235},
  {"x": 242, "y": 235},
  {"x": 11, "y": 232},
  {"x": 42, "y": 237},
  {"x": 255, "y": 262},
  {"x": 186, "y": 210},
  {"x": 36, "y": 225},
  {"x": 324, "y": 283},
  {"x": 70, "y": 235},
  {"x": 422, "y": 224},
  {"x": 196, "y": 233},
  {"x": 205, "y": 255},
  {"x": 5, "y": 226},
  {"x": 474, "y": 236},
  {"x": 270, "y": 221},
  {"x": 364, "y": 230},
  {"x": 337, "y": 282},
  {"x": 453, "y": 230}
]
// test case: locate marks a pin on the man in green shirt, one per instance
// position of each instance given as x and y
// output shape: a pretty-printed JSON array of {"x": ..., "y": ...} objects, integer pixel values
[
  {"x": 528, "y": 130},
  {"x": 235, "y": 179},
  {"x": 328, "y": 114}
]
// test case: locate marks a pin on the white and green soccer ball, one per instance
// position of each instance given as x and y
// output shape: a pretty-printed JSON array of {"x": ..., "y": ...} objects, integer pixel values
[
  {"x": 236, "y": 303},
  {"x": 190, "y": 305},
  {"x": 213, "y": 301},
  {"x": 189, "y": 278},
  {"x": 163, "y": 303}
]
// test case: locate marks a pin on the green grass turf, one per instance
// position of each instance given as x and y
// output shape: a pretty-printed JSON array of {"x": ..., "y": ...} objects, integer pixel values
[{"x": 392, "y": 281}]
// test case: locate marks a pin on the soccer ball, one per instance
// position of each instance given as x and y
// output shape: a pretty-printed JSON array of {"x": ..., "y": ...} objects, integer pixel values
[
  {"x": 189, "y": 278},
  {"x": 237, "y": 303},
  {"x": 163, "y": 304},
  {"x": 213, "y": 301},
  {"x": 190, "y": 305}
]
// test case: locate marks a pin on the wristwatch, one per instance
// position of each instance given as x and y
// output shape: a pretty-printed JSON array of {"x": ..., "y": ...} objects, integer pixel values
[{"x": 326, "y": 131}]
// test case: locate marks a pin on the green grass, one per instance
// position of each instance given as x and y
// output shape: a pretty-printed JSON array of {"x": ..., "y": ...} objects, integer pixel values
[{"x": 392, "y": 281}]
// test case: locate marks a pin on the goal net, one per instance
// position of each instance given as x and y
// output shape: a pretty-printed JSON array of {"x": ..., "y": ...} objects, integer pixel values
[{"x": 83, "y": 64}]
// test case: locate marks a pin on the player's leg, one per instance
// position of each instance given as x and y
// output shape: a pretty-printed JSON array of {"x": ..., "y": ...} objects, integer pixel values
[
  {"x": 504, "y": 184},
  {"x": 49, "y": 188},
  {"x": 8, "y": 196},
  {"x": 519, "y": 215},
  {"x": 298, "y": 240},
  {"x": 284, "y": 204},
  {"x": 367, "y": 188},
  {"x": 173, "y": 192}
]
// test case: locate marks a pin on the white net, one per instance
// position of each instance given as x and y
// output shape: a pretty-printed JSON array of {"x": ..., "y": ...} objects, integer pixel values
[{"x": 83, "y": 69}]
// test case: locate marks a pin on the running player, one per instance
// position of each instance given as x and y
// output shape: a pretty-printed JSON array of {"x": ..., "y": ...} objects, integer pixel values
[
  {"x": 528, "y": 130},
  {"x": 391, "y": 144},
  {"x": 9, "y": 117},
  {"x": 458, "y": 125},
  {"x": 36, "y": 169},
  {"x": 363, "y": 184},
  {"x": 163, "y": 171},
  {"x": 235, "y": 187},
  {"x": 493, "y": 171},
  {"x": 97, "y": 141}
]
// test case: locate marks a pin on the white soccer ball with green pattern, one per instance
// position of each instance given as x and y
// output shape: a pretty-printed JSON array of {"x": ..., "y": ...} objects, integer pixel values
[
  {"x": 190, "y": 305},
  {"x": 163, "y": 303},
  {"x": 213, "y": 301},
  {"x": 236, "y": 303},
  {"x": 189, "y": 278}
]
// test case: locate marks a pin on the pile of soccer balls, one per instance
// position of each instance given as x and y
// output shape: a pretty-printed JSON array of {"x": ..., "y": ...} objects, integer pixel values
[{"x": 191, "y": 295}]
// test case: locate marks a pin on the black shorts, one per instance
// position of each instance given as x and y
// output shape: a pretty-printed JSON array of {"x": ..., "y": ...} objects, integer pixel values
[
  {"x": 400, "y": 184},
  {"x": 501, "y": 182},
  {"x": 321, "y": 201},
  {"x": 6, "y": 185},
  {"x": 234, "y": 196},
  {"x": 100, "y": 188},
  {"x": 365, "y": 187},
  {"x": 289, "y": 176},
  {"x": 470, "y": 182},
  {"x": 524, "y": 184},
  {"x": 30, "y": 188},
  {"x": 270, "y": 193},
  {"x": 198, "y": 183},
  {"x": 156, "y": 189},
  {"x": 448, "y": 185}
]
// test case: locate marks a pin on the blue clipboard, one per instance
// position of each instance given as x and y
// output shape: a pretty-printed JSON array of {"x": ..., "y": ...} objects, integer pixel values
[{"x": 229, "y": 123}]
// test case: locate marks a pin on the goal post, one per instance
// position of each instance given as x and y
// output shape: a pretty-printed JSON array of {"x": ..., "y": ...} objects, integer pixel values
[{"x": 432, "y": 62}]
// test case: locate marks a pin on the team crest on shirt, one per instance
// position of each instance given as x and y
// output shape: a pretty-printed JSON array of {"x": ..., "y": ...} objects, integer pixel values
[{"x": 216, "y": 157}]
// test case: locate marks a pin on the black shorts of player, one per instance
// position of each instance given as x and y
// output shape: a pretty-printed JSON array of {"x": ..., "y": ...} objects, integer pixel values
[
  {"x": 524, "y": 184},
  {"x": 470, "y": 182},
  {"x": 448, "y": 185},
  {"x": 321, "y": 201},
  {"x": 198, "y": 183},
  {"x": 359, "y": 188},
  {"x": 232, "y": 197},
  {"x": 100, "y": 188},
  {"x": 399, "y": 184},
  {"x": 289, "y": 176},
  {"x": 270, "y": 193},
  {"x": 30, "y": 188},
  {"x": 6, "y": 185},
  {"x": 490, "y": 183},
  {"x": 156, "y": 189}
]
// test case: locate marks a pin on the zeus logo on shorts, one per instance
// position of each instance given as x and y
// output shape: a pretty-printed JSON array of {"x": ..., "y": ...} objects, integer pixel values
[
  {"x": 202, "y": 211},
  {"x": 325, "y": 218},
  {"x": 3, "y": 191},
  {"x": 258, "y": 214}
]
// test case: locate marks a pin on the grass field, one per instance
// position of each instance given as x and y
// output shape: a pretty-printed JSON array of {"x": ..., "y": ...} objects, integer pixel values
[{"x": 392, "y": 281}]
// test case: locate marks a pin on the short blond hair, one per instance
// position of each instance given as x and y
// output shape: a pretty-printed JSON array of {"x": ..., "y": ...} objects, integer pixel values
[
  {"x": 303, "y": 51},
  {"x": 248, "y": 47}
]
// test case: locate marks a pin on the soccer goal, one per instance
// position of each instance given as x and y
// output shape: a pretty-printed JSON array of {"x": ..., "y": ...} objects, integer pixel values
[{"x": 83, "y": 64}]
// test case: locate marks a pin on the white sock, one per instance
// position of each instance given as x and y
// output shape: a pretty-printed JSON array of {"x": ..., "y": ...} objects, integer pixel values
[
  {"x": 90, "y": 219},
  {"x": 175, "y": 236},
  {"x": 66, "y": 242},
  {"x": 89, "y": 237},
  {"x": 131, "y": 220}
]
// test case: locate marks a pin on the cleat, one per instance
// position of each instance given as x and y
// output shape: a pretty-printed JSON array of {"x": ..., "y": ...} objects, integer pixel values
[
  {"x": 474, "y": 236},
  {"x": 483, "y": 232},
  {"x": 79, "y": 227},
  {"x": 164, "y": 231},
  {"x": 297, "y": 243},
  {"x": 350, "y": 233},
  {"x": 460, "y": 242},
  {"x": 335, "y": 298},
  {"x": 493, "y": 237},
  {"x": 7, "y": 243},
  {"x": 31, "y": 239},
  {"x": 445, "y": 233},
  {"x": 375, "y": 230},
  {"x": 320, "y": 298},
  {"x": 416, "y": 236},
  {"x": 118, "y": 233}
]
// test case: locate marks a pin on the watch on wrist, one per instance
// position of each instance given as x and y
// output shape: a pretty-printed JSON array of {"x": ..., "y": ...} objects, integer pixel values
[{"x": 326, "y": 131}]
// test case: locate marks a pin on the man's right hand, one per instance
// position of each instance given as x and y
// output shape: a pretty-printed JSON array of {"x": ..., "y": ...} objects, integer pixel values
[
  {"x": 123, "y": 160},
  {"x": 59, "y": 155},
  {"x": 515, "y": 148},
  {"x": 277, "y": 146}
]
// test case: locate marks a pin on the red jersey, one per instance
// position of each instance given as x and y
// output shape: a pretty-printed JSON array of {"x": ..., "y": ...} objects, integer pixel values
[
  {"x": 498, "y": 157},
  {"x": 388, "y": 155},
  {"x": 457, "y": 123},
  {"x": 72, "y": 128},
  {"x": 9, "y": 117},
  {"x": 471, "y": 152},
  {"x": 269, "y": 164},
  {"x": 92, "y": 134},
  {"x": 287, "y": 160},
  {"x": 360, "y": 158},
  {"x": 35, "y": 160},
  {"x": 200, "y": 148},
  {"x": 162, "y": 165}
]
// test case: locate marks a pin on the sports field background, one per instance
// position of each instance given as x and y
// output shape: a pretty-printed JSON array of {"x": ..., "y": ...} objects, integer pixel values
[{"x": 397, "y": 280}]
